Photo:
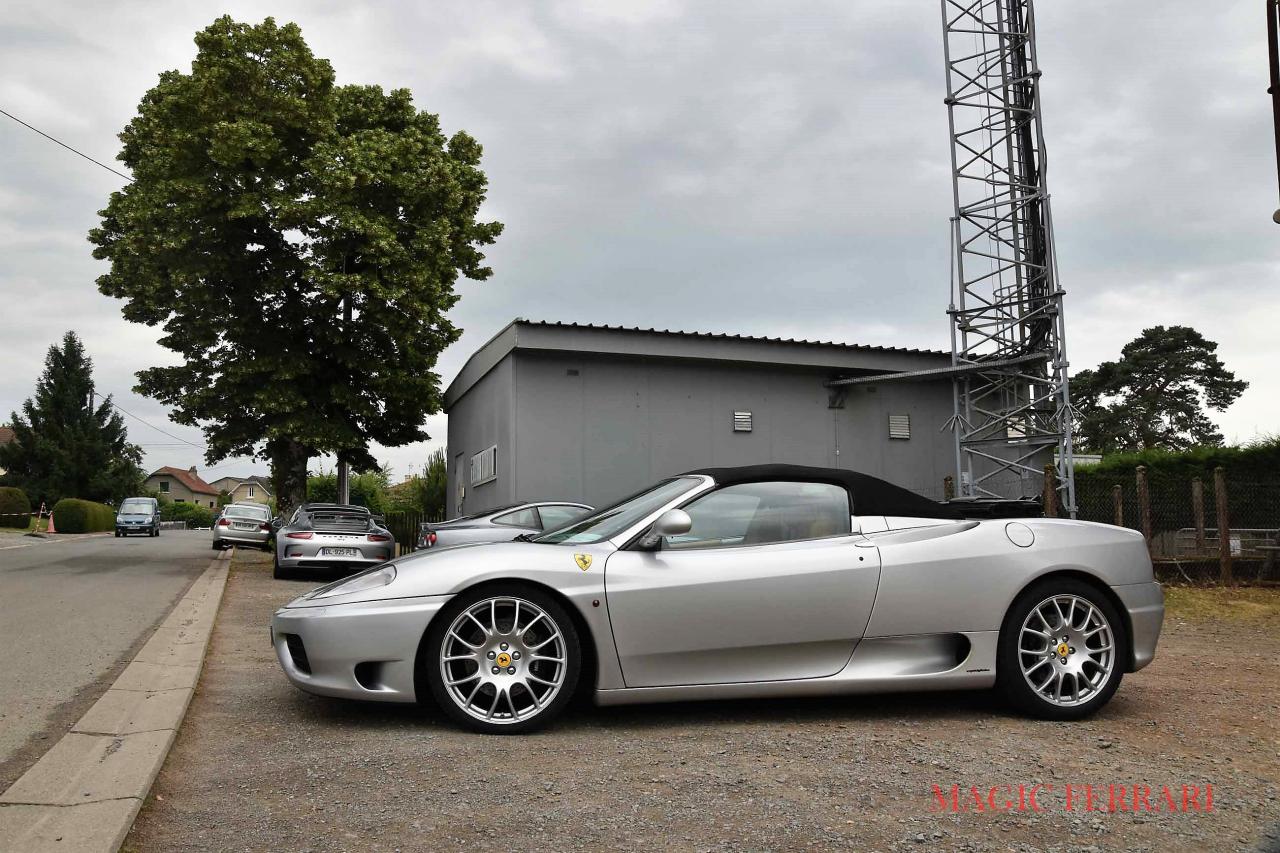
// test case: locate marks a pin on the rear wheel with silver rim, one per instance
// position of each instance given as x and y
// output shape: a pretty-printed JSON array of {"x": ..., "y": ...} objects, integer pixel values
[
  {"x": 1062, "y": 650},
  {"x": 502, "y": 660}
]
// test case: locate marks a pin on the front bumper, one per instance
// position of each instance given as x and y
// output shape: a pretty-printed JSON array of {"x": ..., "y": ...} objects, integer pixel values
[
  {"x": 361, "y": 650},
  {"x": 1144, "y": 605},
  {"x": 135, "y": 527}
]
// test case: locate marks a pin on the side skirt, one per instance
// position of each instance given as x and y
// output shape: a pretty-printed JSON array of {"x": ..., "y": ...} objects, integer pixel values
[{"x": 960, "y": 661}]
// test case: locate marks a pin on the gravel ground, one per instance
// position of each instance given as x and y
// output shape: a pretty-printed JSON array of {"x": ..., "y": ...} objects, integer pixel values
[{"x": 261, "y": 766}]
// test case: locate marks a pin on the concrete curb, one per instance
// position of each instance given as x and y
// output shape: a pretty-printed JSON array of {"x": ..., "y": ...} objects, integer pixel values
[{"x": 84, "y": 793}]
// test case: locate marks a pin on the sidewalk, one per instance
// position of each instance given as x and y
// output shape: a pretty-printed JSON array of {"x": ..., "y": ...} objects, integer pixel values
[{"x": 84, "y": 793}]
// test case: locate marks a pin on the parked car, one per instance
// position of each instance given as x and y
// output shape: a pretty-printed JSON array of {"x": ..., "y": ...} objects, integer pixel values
[
  {"x": 501, "y": 524},
  {"x": 244, "y": 524},
  {"x": 333, "y": 538},
  {"x": 138, "y": 515},
  {"x": 771, "y": 580}
]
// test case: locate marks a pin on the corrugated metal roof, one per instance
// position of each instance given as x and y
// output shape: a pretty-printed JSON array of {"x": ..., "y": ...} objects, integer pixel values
[{"x": 726, "y": 336}]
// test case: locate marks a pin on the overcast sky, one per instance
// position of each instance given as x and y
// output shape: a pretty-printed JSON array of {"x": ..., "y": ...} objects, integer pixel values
[{"x": 773, "y": 168}]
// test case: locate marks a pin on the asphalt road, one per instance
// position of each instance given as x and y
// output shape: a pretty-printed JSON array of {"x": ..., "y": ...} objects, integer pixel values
[{"x": 72, "y": 614}]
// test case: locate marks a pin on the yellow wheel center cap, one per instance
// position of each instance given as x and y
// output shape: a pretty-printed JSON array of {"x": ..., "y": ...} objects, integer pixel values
[
  {"x": 504, "y": 659},
  {"x": 1063, "y": 650}
]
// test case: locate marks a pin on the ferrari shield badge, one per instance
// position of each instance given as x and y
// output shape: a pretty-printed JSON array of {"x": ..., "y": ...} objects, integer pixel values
[{"x": 583, "y": 561}]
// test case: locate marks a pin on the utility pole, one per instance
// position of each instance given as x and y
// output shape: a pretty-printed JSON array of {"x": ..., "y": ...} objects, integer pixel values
[
  {"x": 1273, "y": 55},
  {"x": 344, "y": 469}
]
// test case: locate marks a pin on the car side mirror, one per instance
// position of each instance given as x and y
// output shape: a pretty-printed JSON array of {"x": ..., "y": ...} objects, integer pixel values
[{"x": 673, "y": 522}]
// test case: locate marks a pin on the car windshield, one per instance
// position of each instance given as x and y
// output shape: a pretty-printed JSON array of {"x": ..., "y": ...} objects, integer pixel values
[
  {"x": 611, "y": 521},
  {"x": 135, "y": 507},
  {"x": 260, "y": 514}
]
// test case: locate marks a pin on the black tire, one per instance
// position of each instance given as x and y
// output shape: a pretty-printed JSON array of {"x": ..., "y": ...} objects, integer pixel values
[
  {"x": 118, "y": 534},
  {"x": 430, "y": 679},
  {"x": 277, "y": 571},
  {"x": 217, "y": 546},
  {"x": 1015, "y": 686}
]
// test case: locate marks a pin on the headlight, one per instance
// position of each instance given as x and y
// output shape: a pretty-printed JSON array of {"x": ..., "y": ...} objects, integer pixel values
[{"x": 372, "y": 579}]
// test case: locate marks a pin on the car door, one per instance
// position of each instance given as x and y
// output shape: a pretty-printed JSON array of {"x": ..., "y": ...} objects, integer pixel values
[{"x": 767, "y": 585}]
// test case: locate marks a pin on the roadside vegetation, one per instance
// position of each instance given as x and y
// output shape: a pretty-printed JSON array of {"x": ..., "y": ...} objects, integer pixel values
[
  {"x": 332, "y": 222},
  {"x": 1252, "y": 605},
  {"x": 69, "y": 441}
]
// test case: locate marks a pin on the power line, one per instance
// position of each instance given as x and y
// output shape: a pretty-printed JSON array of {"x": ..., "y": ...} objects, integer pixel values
[
  {"x": 66, "y": 146},
  {"x": 145, "y": 423}
]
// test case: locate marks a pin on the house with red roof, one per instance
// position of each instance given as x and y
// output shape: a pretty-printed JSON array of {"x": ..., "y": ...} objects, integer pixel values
[
  {"x": 182, "y": 486},
  {"x": 6, "y": 436}
]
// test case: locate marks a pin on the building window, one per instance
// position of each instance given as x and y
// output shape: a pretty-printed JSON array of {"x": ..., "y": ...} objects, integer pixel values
[
  {"x": 252, "y": 490},
  {"x": 164, "y": 486},
  {"x": 742, "y": 422},
  {"x": 484, "y": 466},
  {"x": 899, "y": 426}
]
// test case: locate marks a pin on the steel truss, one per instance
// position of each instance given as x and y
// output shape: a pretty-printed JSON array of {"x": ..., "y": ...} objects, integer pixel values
[{"x": 1012, "y": 404}]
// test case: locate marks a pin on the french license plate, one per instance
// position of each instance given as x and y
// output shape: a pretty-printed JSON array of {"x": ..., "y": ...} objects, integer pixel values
[{"x": 339, "y": 552}]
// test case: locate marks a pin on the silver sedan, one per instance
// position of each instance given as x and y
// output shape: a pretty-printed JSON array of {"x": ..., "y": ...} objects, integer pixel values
[
  {"x": 772, "y": 580},
  {"x": 244, "y": 524},
  {"x": 332, "y": 538},
  {"x": 500, "y": 524}
]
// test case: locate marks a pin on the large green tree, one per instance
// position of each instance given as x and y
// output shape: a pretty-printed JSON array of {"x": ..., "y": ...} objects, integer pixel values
[
  {"x": 1157, "y": 395},
  {"x": 69, "y": 442},
  {"x": 299, "y": 243}
]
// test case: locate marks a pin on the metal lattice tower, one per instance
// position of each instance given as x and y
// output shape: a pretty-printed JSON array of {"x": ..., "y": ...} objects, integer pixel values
[{"x": 1012, "y": 405}]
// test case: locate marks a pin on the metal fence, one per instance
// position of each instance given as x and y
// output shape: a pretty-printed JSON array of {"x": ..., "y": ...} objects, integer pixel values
[
  {"x": 404, "y": 526},
  {"x": 1182, "y": 518}
]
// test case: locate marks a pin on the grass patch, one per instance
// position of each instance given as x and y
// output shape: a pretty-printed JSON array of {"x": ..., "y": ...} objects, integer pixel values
[{"x": 1223, "y": 604}]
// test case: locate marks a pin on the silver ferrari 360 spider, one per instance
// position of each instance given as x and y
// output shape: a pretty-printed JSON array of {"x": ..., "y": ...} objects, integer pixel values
[{"x": 771, "y": 580}]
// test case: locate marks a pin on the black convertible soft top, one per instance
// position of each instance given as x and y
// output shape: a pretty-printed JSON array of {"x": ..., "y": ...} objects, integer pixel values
[{"x": 868, "y": 495}]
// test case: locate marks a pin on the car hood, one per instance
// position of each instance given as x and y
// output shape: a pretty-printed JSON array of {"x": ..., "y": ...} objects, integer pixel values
[{"x": 450, "y": 570}]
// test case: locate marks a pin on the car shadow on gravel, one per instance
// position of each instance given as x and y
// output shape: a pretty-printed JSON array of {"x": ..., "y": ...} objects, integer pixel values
[{"x": 583, "y": 715}]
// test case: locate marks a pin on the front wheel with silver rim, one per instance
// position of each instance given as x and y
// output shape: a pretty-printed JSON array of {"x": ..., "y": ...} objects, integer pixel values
[
  {"x": 1062, "y": 650},
  {"x": 502, "y": 660}
]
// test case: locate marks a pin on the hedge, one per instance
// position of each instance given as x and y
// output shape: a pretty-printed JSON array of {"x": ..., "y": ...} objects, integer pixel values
[
  {"x": 72, "y": 515},
  {"x": 1259, "y": 461},
  {"x": 15, "y": 509},
  {"x": 193, "y": 514}
]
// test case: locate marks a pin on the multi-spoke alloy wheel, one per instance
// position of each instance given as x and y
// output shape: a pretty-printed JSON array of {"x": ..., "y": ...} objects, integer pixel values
[
  {"x": 1061, "y": 650},
  {"x": 504, "y": 661},
  {"x": 1066, "y": 650}
]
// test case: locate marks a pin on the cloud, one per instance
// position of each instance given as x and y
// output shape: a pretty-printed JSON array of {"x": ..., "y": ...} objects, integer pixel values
[{"x": 755, "y": 167}]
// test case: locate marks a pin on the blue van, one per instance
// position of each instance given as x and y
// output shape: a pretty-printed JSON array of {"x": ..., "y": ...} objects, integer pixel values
[{"x": 138, "y": 515}]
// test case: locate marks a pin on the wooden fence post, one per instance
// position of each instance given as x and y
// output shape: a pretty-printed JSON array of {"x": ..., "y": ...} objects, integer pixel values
[
  {"x": 949, "y": 488},
  {"x": 1050, "y": 498},
  {"x": 1224, "y": 525},
  {"x": 1197, "y": 510},
  {"x": 1144, "y": 503},
  {"x": 1117, "y": 501}
]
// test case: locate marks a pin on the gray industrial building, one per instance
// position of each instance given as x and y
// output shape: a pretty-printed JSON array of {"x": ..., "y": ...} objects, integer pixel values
[{"x": 563, "y": 411}]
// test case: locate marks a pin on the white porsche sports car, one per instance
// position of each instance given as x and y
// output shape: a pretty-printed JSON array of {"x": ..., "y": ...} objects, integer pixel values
[{"x": 772, "y": 580}]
